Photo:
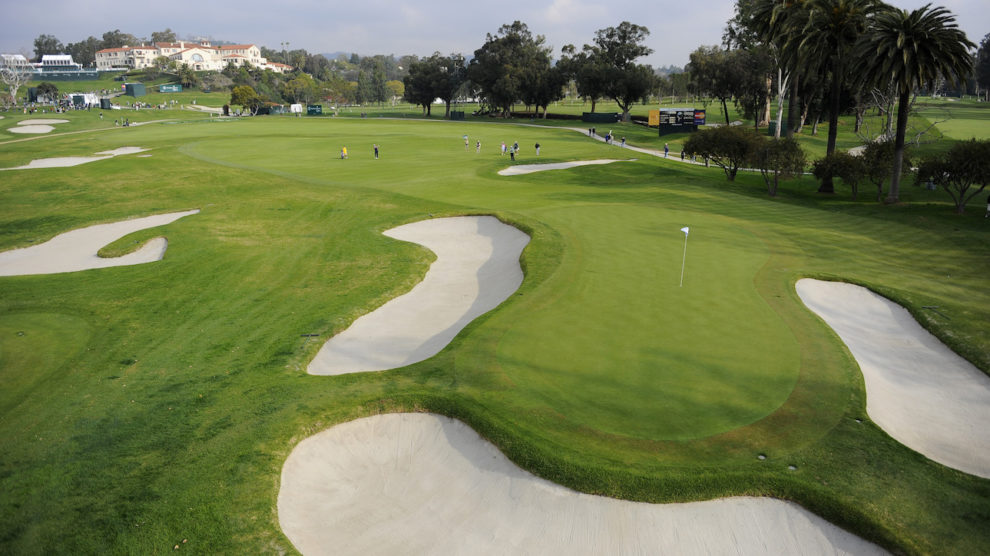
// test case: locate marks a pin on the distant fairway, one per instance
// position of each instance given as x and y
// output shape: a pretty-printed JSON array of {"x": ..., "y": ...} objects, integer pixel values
[
  {"x": 181, "y": 386},
  {"x": 959, "y": 120}
]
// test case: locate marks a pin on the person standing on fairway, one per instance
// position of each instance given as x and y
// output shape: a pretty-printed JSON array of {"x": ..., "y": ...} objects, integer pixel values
[
  {"x": 376, "y": 151},
  {"x": 477, "y": 146},
  {"x": 343, "y": 153},
  {"x": 466, "y": 142},
  {"x": 666, "y": 150},
  {"x": 537, "y": 149},
  {"x": 503, "y": 148}
]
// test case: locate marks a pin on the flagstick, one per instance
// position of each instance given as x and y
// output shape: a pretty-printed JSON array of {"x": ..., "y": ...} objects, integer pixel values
[{"x": 683, "y": 260}]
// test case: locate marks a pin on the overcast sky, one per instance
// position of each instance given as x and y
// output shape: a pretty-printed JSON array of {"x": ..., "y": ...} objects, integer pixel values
[{"x": 415, "y": 27}]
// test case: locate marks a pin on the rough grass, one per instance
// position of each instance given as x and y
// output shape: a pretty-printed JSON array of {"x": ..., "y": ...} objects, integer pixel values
[{"x": 177, "y": 388}]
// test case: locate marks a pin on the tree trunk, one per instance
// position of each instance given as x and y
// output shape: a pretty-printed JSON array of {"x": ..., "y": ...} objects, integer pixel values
[
  {"x": 446, "y": 114},
  {"x": 814, "y": 126},
  {"x": 593, "y": 103},
  {"x": 792, "y": 108},
  {"x": 889, "y": 125},
  {"x": 804, "y": 118},
  {"x": 725, "y": 109},
  {"x": 903, "y": 108},
  {"x": 781, "y": 87},
  {"x": 766, "y": 104},
  {"x": 833, "y": 124}
]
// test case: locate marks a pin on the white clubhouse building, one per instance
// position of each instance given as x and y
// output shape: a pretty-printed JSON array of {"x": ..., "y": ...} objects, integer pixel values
[{"x": 200, "y": 56}]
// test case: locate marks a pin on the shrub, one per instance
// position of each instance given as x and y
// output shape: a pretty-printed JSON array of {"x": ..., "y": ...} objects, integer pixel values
[
  {"x": 728, "y": 147},
  {"x": 778, "y": 158},
  {"x": 959, "y": 171},
  {"x": 878, "y": 158},
  {"x": 840, "y": 164}
]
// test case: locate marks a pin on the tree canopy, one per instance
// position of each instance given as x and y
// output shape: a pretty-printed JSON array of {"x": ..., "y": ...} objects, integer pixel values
[{"x": 500, "y": 67}]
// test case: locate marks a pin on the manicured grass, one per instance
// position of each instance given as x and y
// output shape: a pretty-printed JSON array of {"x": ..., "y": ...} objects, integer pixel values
[
  {"x": 958, "y": 119},
  {"x": 178, "y": 388}
]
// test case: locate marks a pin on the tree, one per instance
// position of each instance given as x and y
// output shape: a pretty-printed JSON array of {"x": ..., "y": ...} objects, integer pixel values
[
  {"x": 771, "y": 23},
  {"x": 47, "y": 90},
  {"x": 379, "y": 92},
  {"x": 728, "y": 147},
  {"x": 212, "y": 81},
  {"x": 824, "y": 45},
  {"x": 618, "y": 48},
  {"x": 187, "y": 77},
  {"x": 167, "y": 35},
  {"x": 542, "y": 85},
  {"x": 849, "y": 168},
  {"x": 84, "y": 52},
  {"x": 244, "y": 95},
  {"x": 116, "y": 39},
  {"x": 983, "y": 66},
  {"x": 959, "y": 171},
  {"x": 499, "y": 66},
  {"x": 315, "y": 64},
  {"x": 586, "y": 71},
  {"x": 47, "y": 44},
  {"x": 878, "y": 159},
  {"x": 776, "y": 159},
  {"x": 447, "y": 80},
  {"x": 362, "y": 90},
  {"x": 14, "y": 77},
  {"x": 714, "y": 73},
  {"x": 301, "y": 89},
  {"x": 395, "y": 89},
  {"x": 418, "y": 84},
  {"x": 337, "y": 89},
  {"x": 753, "y": 84},
  {"x": 913, "y": 48}
]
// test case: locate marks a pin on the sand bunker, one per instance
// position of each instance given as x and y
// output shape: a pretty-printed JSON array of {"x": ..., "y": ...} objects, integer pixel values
[
  {"x": 68, "y": 161},
  {"x": 530, "y": 168},
  {"x": 477, "y": 267},
  {"x": 31, "y": 129},
  {"x": 42, "y": 121},
  {"x": 425, "y": 484},
  {"x": 36, "y": 126},
  {"x": 917, "y": 389},
  {"x": 76, "y": 250}
]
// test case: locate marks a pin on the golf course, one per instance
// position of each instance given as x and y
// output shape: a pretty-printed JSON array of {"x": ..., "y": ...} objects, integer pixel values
[{"x": 152, "y": 407}]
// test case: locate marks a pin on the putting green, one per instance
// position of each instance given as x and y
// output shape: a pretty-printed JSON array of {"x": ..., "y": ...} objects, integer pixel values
[{"x": 622, "y": 348}]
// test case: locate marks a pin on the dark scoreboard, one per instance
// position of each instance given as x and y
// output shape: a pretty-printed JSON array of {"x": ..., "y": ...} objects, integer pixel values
[{"x": 682, "y": 116}]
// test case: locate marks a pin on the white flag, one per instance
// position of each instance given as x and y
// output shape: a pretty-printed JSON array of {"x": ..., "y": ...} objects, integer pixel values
[{"x": 685, "y": 230}]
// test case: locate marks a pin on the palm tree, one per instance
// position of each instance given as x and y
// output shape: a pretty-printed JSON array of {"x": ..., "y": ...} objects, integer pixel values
[
  {"x": 913, "y": 49},
  {"x": 824, "y": 44}
]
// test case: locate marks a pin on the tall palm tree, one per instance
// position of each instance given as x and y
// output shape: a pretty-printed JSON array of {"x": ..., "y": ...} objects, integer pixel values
[
  {"x": 830, "y": 32},
  {"x": 913, "y": 49}
]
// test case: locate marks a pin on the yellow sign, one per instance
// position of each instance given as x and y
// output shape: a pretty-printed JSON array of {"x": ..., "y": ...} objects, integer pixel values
[{"x": 654, "y": 118}]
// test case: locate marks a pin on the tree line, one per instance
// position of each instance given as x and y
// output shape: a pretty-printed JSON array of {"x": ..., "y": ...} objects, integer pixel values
[{"x": 829, "y": 57}]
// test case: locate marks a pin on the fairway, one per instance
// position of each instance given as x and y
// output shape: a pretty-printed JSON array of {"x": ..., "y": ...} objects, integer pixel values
[{"x": 148, "y": 404}]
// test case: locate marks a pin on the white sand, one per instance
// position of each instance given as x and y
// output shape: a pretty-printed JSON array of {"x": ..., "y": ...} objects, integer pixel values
[
  {"x": 917, "y": 389},
  {"x": 69, "y": 161},
  {"x": 42, "y": 121},
  {"x": 76, "y": 250},
  {"x": 530, "y": 168},
  {"x": 477, "y": 267},
  {"x": 425, "y": 484},
  {"x": 31, "y": 129}
]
